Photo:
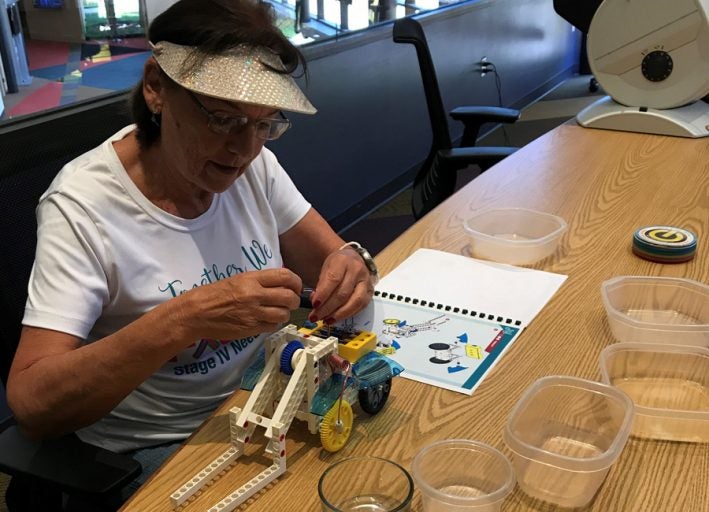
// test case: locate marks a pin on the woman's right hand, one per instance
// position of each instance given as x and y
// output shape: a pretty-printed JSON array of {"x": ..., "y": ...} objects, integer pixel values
[
  {"x": 48, "y": 394},
  {"x": 242, "y": 305}
]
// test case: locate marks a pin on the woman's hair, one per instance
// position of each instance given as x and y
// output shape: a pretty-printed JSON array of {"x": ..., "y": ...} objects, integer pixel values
[{"x": 212, "y": 27}]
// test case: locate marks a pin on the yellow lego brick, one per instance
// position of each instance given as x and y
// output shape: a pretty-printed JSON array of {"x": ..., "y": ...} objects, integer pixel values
[
  {"x": 351, "y": 348},
  {"x": 314, "y": 330},
  {"x": 358, "y": 346}
]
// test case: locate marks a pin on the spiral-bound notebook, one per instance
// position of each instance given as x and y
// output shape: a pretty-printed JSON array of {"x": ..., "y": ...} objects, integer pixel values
[{"x": 448, "y": 318}]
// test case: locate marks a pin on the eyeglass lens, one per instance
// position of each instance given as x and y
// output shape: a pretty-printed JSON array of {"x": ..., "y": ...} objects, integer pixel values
[{"x": 266, "y": 129}]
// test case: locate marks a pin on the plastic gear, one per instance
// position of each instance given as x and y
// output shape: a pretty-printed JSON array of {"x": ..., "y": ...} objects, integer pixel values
[
  {"x": 333, "y": 436},
  {"x": 287, "y": 356}
]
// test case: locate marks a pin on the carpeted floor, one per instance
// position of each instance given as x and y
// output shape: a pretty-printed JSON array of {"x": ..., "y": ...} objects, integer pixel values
[
  {"x": 388, "y": 221},
  {"x": 4, "y": 480},
  {"x": 63, "y": 73}
]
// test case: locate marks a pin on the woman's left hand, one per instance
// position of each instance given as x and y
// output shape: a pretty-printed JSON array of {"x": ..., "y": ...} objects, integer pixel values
[{"x": 344, "y": 287}]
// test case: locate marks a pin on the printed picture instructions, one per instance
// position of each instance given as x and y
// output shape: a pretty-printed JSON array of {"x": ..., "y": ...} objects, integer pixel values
[{"x": 438, "y": 345}]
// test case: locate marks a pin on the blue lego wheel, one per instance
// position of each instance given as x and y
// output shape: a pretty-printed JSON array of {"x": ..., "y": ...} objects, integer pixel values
[{"x": 287, "y": 355}]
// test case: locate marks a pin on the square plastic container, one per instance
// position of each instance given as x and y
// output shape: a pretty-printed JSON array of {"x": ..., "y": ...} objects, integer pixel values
[
  {"x": 565, "y": 433},
  {"x": 657, "y": 310},
  {"x": 514, "y": 235},
  {"x": 460, "y": 475},
  {"x": 669, "y": 385}
]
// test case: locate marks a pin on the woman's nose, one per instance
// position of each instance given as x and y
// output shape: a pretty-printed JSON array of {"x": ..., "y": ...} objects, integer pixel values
[{"x": 245, "y": 141}]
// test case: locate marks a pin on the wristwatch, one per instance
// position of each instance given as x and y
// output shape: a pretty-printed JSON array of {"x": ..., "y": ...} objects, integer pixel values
[{"x": 366, "y": 257}]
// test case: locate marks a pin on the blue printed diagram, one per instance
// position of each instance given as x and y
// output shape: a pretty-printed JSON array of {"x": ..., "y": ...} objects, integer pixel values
[
  {"x": 444, "y": 348},
  {"x": 393, "y": 328},
  {"x": 396, "y": 327},
  {"x": 442, "y": 353},
  {"x": 446, "y": 353}
]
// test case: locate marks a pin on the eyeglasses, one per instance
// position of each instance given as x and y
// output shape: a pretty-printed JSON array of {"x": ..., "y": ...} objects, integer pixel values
[{"x": 266, "y": 129}]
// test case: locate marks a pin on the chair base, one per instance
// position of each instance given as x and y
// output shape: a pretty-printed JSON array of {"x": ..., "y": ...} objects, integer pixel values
[
  {"x": 29, "y": 495},
  {"x": 66, "y": 463}
]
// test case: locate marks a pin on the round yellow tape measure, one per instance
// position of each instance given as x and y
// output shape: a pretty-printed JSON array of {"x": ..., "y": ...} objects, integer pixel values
[{"x": 665, "y": 244}]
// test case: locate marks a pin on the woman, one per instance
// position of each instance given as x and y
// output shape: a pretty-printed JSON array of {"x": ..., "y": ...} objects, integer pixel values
[{"x": 165, "y": 253}]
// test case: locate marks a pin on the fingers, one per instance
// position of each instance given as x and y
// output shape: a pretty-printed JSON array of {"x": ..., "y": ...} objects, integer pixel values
[
  {"x": 344, "y": 287},
  {"x": 271, "y": 319},
  {"x": 279, "y": 277},
  {"x": 274, "y": 287},
  {"x": 357, "y": 301},
  {"x": 334, "y": 288},
  {"x": 281, "y": 287},
  {"x": 245, "y": 323},
  {"x": 279, "y": 297},
  {"x": 245, "y": 304}
]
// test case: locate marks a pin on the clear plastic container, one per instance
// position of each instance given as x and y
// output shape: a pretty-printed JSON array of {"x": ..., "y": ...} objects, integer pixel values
[
  {"x": 657, "y": 310},
  {"x": 514, "y": 235},
  {"x": 565, "y": 433},
  {"x": 669, "y": 385},
  {"x": 459, "y": 475}
]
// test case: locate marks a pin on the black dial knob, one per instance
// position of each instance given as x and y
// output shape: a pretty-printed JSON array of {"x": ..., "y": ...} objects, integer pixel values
[{"x": 657, "y": 66}]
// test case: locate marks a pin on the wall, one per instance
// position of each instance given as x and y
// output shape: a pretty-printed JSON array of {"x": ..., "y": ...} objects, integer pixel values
[
  {"x": 65, "y": 24},
  {"x": 372, "y": 128}
]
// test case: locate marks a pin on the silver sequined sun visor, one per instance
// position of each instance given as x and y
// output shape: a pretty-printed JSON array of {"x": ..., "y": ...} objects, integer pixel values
[{"x": 240, "y": 74}]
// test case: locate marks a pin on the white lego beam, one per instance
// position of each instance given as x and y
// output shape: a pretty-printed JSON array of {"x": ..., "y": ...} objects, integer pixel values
[
  {"x": 205, "y": 476},
  {"x": 268, "y": 391},
  {"x": 247, "y": 490},
  {"x": 292, "y": 397}
]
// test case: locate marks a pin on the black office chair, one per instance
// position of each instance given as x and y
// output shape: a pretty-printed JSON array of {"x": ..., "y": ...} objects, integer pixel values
[
  {"x": 44, "y": 473},
  {"x": 580, "y": 13},
  {"x": 436, "y": 179}
]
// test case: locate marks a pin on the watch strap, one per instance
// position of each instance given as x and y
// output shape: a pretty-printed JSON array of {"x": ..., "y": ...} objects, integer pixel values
[{"x": 366, "y": 257}]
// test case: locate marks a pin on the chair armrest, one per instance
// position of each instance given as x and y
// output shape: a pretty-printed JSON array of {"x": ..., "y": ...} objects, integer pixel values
[
  {"x": 436, "y": 179},
  {"x": 482, "y": 115},
  {"x": 489, "y": 155},
  {"x": 474, "y": 117},
  {"x": 66, "y": 463}
]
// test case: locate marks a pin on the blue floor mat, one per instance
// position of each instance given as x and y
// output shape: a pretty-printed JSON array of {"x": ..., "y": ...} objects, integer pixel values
[
  {"x": 50, "y": 72},
  {"x": 118, "y": 75}
]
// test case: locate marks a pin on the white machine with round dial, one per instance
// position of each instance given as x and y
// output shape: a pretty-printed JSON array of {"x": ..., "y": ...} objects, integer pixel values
[{"x": 652, "y": 59}]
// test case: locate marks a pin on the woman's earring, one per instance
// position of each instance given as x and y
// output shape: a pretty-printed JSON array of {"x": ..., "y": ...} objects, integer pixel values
[{"x": 156, "y": 118}]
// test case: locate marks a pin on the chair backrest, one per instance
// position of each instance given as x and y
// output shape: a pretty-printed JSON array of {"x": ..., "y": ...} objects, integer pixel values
[
  {"x": 19, "y": 194},
  {"x": 577, "y": 12},
  {"x": 408, "y": 30},
  {"x": 32, "y": 151}
]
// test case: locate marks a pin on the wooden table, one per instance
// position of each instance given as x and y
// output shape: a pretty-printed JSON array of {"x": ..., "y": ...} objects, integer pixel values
[{"x": 606, "y": 185}]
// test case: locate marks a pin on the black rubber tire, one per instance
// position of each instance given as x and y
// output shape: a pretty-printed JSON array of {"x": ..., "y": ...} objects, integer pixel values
[{"x": 373, "y": 398}]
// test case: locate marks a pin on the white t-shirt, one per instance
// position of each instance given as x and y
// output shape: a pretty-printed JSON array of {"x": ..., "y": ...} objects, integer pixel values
[{"x": 106, "y": 255}]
